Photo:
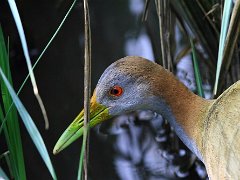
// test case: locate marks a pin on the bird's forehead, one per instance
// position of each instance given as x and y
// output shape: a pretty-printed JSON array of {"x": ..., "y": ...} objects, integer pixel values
[
  {"x": 117, "y": 72},
  {"x": 126, "y": 68}
]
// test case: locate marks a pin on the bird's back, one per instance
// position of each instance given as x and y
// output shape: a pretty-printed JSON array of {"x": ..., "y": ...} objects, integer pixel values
[{"x": 221, "y": 136}]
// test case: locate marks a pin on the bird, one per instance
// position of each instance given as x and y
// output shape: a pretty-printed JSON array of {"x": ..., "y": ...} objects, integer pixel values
[{"x": 209, "y": 128}]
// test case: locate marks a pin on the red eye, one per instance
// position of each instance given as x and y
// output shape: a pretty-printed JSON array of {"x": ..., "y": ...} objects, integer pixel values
[{"x": 116, "y": 91}]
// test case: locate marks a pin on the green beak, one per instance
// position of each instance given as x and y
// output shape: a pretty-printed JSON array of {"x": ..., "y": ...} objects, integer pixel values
[{"x": 98, "y": 114}]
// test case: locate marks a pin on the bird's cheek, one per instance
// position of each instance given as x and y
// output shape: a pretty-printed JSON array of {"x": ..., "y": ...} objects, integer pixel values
[{"x": 115, "y": 110}]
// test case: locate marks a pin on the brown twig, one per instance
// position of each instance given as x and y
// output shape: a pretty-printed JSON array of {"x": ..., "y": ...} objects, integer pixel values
[
  {"x": 87, "y": 82},
  {"x": 164, "y": 18}
]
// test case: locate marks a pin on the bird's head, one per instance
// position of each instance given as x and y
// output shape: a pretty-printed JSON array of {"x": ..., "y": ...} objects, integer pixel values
[{"x": 122, "y": 88}]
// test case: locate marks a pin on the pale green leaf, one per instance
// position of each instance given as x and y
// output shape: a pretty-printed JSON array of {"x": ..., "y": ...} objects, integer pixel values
[
  {"x": 3, "y": 176},
  {"x": 224, "y": 28},
  {"x": 18, "y": 22},
  {"x": 30, "y": 126}
]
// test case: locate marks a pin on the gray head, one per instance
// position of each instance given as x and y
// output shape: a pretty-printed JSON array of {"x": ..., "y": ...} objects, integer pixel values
[{"x": 125, "y": 85}]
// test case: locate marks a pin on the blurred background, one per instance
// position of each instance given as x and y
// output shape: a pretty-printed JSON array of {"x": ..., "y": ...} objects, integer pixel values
[{"x": 140, "y": 145}]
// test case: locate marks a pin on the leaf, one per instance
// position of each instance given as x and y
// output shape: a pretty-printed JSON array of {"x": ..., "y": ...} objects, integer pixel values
[
  {"x": 30, "y": 126},
  {"x": 231, "y": 40},
  {"x": 18, "y": 22},
  {"x": 224, "y": 28},
  {"x": 196, "y": 70},
  {"x": 3, "y": 176},
  {"x": 10, "y": 124}
]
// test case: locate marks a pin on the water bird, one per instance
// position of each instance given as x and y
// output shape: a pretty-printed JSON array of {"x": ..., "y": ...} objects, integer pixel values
[{"x": 209, "y": 128}]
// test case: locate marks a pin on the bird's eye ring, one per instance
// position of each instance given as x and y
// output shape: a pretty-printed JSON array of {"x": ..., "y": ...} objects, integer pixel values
[{"x": 116, "y": 91}]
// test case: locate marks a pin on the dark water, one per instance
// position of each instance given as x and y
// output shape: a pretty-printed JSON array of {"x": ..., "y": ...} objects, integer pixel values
[{"x": 136, "y": 146}]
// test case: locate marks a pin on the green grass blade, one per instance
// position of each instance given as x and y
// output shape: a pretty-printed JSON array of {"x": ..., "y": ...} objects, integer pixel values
[
  {"x": 30, "y": 126},
  {"x": 11, "y": 129},
  {"x": 80, "y": 167},
  {"x": 231, "y": 39},
  {"x": 224, "y": 28},
  {"x": 3, "y": 175},
  {"x": 196, "y": 70},
  {"x": 18, "y": 22}
]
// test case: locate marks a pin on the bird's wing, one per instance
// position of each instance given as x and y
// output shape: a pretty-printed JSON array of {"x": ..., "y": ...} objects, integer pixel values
[{"x": 221, "y": 136}]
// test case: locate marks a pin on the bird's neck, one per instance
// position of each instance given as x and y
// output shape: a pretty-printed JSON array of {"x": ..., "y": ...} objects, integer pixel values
[{"x": 184, "y": 110}]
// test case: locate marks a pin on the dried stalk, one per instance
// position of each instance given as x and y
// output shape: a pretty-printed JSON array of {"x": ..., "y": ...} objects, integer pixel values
[
  {"x": 164, "y": 18},
  {"x": 87, "y": 83},
  {"x": 159, "y": 6}
]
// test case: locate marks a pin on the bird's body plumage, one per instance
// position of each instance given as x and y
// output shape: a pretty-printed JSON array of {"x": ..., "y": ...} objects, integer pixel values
[
  {"x": 220, "y": 144},
  {"x": 210, "y": 128}
]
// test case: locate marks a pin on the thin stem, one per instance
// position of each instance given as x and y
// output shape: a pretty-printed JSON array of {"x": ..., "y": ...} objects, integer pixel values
[{"x": 87, "y": 92}]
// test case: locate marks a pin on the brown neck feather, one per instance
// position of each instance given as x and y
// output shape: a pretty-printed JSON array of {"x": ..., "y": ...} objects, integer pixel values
[{"x": 188, "y": 109}]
